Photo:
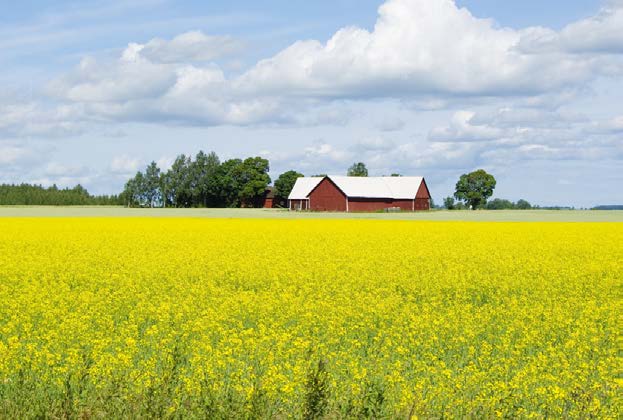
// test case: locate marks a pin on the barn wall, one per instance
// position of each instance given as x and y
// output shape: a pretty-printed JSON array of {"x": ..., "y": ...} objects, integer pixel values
[
  {"x": 376, "y": 204},
  {"x": 405, "y": 205},
  {"x": 422, "y": 204},
  {"x": 327, "y": 197},
  {"x": 368, "y": 204},
  {"x": 422, "y": 198},
  {"x": 422, "y": 192},
  {"x": 268, "y": 203}
]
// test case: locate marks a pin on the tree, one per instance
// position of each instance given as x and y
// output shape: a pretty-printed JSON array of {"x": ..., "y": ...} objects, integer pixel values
[
  {"x": 475, "y": 188},
  {"x": 358, "y": 169},
  {"x": 177, "y": 181},
  {"x": 253, "y": 179},
  {"x": 500, "y": 204},
  {"x": 203, "y": 182},
  {"x": 134, "y": 192},
  {"x": 523, "y": 205},
  {"x": 153, "y": 193},
  {"x": 228, "y": 183},
  {"x": 448, "y": 203},
  {"x": 395, "y": 175},
  {"x": 285, "y": 183}
]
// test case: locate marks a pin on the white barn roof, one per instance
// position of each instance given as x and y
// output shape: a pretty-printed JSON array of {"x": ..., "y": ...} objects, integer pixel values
[
  {"x": 394, "y": 187},
  {"x": 303, "y": 186}
]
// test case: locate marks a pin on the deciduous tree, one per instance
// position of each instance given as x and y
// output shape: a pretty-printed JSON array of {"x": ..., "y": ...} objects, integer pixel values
[{"x": 475, "y": 188}]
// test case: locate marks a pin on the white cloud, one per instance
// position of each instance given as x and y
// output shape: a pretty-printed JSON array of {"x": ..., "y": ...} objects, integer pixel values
[
  {"x": 124, "y": 165},
  {"x": 57, "y": 169},
  {"x": 427, "y": 53},
  {"x": 463, "y": 129},
  {"x": 597, "y": 34},
  {"x": 417, "y": 47},
  {"x": 11, "y": 154},
  {"x": 189, "y": 46},
  {"x": 131, "y": 77}
]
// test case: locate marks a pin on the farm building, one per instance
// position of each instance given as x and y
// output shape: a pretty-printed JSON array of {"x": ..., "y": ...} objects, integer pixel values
[
  {"x": 266, "y": 200},
  {"x": 269, "y": 198},
  {"x": 349, "y": 193}
]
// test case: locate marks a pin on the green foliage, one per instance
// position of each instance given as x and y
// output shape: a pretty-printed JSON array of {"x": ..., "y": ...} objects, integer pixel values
[
  {"x": 229, "y": 183},
  {"x": 202, "y": 182},
  {"x": 358, "y": 169},
  {"x": 475, "y": 188},
  {"x": 317, "y": 392},
  {"x": 503, "y": 204},
  {"x": 252, "y": 177},
  {"x": 151, "y": 186},
  {"x": 500, "y": 204},
  {"x": 37, "y": 195},
  {"x": 204, "y": 185},
  {"x": 523, "y": 205},
  {"x": 285, "y": 183},
  {"x": 448, "y": 203}
]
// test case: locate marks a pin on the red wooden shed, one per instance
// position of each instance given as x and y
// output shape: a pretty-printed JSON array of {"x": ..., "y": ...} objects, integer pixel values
[{"x": 346, "y": 193}]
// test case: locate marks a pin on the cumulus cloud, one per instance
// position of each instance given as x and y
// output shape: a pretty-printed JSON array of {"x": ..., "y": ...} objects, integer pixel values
[
  {"x": 31, "y": 119},
  {"x": 131, "y": 77},
  {"x": 600, "y": 34},
  {"x": 424, "y": 52},
  {"x": 463, "y": 129},
  {"x": 188, "y": 47},
  {"x": 417, "y": 47},
  {"x": 124, "y": 165}
]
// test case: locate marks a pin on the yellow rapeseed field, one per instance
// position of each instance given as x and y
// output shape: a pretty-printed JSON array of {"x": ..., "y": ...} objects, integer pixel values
[{"x": 138, "y": 317}]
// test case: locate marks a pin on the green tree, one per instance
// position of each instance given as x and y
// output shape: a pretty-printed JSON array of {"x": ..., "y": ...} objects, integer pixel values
[
  {"x": 500, "y": 204},
  {"x": 177, "y": 181},
  {"x": 475, "y": 188},
  {"x": 357, "y": 169},
  {"x": 204, "y": 185},
  {"x": 134, "y": 191},
  {"x": 523, "y": 205},
  {"x": 253, "y": 179},
  {"x": 285, "y": 183},
  {"x": 448, "y": 203},
  {"x": 229, "y": 183},
  {"x": 153, "y": 193}
]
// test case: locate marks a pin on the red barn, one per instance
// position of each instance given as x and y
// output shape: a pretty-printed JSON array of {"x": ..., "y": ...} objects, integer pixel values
[
  {"x": 269, "y": 198},
  {"x": 348, "y": 193},
  {"x": 298, "y": 198}
]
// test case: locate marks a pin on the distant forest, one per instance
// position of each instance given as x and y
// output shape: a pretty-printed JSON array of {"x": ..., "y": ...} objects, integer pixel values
[
  {"x": 204, "y": 181},
  {"x": 37, "y": 195}
]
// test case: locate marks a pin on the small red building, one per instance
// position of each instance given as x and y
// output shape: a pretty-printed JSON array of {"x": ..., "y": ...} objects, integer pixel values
[
  {"x": 347, "y": 193},
  {"x": 269, "y": 198}
]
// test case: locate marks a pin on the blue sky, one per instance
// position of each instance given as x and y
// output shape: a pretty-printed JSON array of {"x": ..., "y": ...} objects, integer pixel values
[{"x": 90, "y": 92}]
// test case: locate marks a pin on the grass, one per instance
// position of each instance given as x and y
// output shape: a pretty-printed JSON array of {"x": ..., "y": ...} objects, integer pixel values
[{"x": 459, "y": 215}]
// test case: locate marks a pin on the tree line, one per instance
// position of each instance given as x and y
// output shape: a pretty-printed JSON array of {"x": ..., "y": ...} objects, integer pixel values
[
  {"x": 205, "y": 181},
  {"x": 37, "y": 195}
]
